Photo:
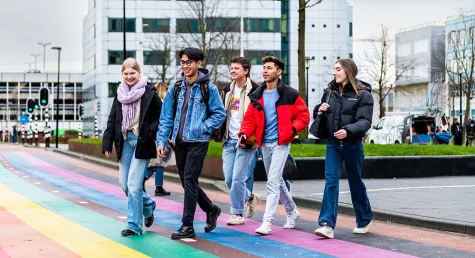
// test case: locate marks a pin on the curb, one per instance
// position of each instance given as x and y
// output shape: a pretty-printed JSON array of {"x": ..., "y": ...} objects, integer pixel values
[
  {"x": 343, "y": 208},
  {"x": 173, "y": 177},
  {"x": 395, "y": 217}
]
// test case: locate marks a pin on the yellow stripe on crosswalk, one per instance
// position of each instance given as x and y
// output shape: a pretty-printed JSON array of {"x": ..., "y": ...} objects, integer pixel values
[{"x": 80, "y": 240}]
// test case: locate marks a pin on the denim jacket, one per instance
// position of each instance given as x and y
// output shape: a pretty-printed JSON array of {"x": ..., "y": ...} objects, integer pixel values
[{"x": 198, "y": 125}]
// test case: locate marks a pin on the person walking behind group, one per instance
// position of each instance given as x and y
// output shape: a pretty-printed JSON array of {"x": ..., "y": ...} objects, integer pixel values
[
  {"x": 236, "y": 160},
  {"x": 132, "y": 127},
  {"x": 457, "y": 132},
  {"x": 156, "y": 164},
  {"x": 349, "y": 113},
  {"x": 275, "y": 116},
  {"x": 192, "y": 110}
]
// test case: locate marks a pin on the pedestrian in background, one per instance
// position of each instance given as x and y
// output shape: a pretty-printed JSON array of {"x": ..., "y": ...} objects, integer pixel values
[
  {"x": 457, "y": 131},
  {"x": 156, "y": 164},
  {"x": 349, "y": 112},
  {"x": 236, "y": 160},
  {"x": 132, "y": 127},
  {"x": 276, "y": 115}
]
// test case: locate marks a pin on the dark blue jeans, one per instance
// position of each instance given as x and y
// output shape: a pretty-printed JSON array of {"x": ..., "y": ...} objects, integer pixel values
[{"x": 352, "y": 153}]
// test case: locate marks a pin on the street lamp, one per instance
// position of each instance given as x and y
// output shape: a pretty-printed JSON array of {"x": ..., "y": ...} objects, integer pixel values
[
  {"x": 57, "y": 96},
  {"x": 307, "y": 66},
  {"x": 460, "y": 97},
  {"x": 124, "y": 24},
  {"x": 29, "y": 66},
  {"x": 36, "y": 59},
  {"x": 44, "y": 54}
]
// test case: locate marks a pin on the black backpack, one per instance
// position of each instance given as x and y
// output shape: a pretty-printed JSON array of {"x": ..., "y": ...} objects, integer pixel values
[{"x": 217, "y": 134}]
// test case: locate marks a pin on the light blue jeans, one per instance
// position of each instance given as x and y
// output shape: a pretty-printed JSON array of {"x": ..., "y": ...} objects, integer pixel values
[
  {"x": 274, "y": 157},
  {"x": 158, "y": 174},
  {"x": 236, "y": 163},
  {"x": 139, "y": 204},
  {"x": 250, "y": 177}
]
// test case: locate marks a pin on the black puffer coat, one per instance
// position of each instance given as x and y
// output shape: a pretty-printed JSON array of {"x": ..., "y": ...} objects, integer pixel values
[
  {"x": 347, "y": 111},
  {"x": 150, "y": 108}
]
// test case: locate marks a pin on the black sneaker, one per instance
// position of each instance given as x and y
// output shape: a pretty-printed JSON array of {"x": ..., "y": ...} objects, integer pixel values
[
  {"x": 128, "y": 232},
  {"x": 159, "y": 191},
  {"x": 149, "y": 221},
  {"x": 212, "y": 218},
  {"x": 184, "y": 232}
]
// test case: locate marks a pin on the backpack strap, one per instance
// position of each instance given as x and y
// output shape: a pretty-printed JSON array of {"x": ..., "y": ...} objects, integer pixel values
[{"x": 176, "y": 91}]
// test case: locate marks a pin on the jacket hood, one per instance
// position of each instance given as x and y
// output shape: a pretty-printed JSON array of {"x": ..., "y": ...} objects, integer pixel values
[{"x": 203, "y": 75}]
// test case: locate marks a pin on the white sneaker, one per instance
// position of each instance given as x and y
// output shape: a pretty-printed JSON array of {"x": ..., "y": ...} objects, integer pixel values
[
  {"x": 251, "y": 205},
  {"x": 235, "y": 220},
  {"x": 325, "y": 231},
  {"x": 265, "y": 228},
  {"x": 292, "y": 218},
  {"x": 362, "y": 230}
]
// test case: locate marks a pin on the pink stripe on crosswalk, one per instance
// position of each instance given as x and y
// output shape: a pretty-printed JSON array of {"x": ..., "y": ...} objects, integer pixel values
[
  {"x": 293, "y": 237},
  {"x": 3, "y": 254}
]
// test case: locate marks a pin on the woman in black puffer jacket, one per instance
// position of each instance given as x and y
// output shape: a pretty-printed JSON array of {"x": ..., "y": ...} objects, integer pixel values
[{"x": 348, "y": 116}]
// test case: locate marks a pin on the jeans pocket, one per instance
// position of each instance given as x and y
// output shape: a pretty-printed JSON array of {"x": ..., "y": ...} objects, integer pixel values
[
  {"x": 352, "y": 144},
  {"x": 330, "y": 142}
]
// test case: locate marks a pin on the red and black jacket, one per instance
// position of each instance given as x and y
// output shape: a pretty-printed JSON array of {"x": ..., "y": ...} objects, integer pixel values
[{"x": 292, "y": 114}]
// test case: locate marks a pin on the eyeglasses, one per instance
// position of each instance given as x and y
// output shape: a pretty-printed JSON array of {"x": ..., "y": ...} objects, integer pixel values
[{"x": 187, "y": 62}]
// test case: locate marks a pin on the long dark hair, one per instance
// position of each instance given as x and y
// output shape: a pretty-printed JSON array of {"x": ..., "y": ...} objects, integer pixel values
[{"x": 351, "y": 71}]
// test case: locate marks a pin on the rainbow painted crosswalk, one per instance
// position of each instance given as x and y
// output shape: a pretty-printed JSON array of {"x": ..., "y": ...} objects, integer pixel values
[{"x": 51, "y": 205}]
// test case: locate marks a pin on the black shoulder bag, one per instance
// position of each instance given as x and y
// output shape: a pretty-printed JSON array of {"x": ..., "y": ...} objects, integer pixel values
[{"x": 318, "y": 127}]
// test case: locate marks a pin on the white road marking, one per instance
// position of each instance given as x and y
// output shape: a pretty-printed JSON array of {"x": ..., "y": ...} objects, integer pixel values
[
  {"x": 25, "y": 176},
  {"x": 55, "y": 191},
  {"x": 82, "y": 202},
  {"x": 407, "y": 188},
  {"x": 37, "y": 183},
  {"x": 122, "y": 217}
]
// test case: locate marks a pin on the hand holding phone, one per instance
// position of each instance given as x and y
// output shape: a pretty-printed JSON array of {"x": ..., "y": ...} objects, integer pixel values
[{"x": 242, "y": 141}]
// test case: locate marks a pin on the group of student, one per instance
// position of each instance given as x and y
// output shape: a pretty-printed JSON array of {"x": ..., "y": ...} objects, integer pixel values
[{"x": 146, "y": 123}]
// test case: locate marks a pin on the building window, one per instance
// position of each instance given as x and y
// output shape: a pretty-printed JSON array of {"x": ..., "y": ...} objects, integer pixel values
[
  {"x": 112, "y": 90},
  {"x": 156, "y": 57},
  {"x": 215, "y": 24},
  {"x": 313, "y": 25},
  {"x": 404, "y": 49},
  {"x": 156, "y": 25},
  {"x": 351, "y": 55},
  {"x": 421, "y": 46},
  {"x": 94, "y": 30},
  {"x": 324, "y": 25},
  {"x": 462, "y": 36},
  {"x": 421, "y": 71},
  {"x": 338, "y": 25},
  {"x": 262, "y": 25},
  {"x": 351, "y": 29},
  {"x": 453, "y": 38},
  {"x": 337, "y": 58},
  {"x": 255, "y": 56},
  {"x": 324, "y": 58},
  {"x": 115, "y": 57},
  {"x": 116, "y": 25},
  {"x": 390, "y": 102}
]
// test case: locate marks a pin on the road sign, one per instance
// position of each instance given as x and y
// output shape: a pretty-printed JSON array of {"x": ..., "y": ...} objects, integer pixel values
[{"x": 24, "y": 119}]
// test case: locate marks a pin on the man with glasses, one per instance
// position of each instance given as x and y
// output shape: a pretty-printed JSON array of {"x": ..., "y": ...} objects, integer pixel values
[{"x": 191, "y": 111}]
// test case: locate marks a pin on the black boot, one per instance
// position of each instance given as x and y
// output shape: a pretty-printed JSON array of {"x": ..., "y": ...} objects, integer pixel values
[
  {"x": 128, "y": 232},
  {"x": 212, "y": 219},
  {"x": 159, "y": 191},
  {"x": 184, "y": 232},
  {"x": 143, "y": 184}
]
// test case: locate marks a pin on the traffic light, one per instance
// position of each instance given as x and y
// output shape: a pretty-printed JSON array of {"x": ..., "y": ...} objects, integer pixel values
[
  {"x": 44, "y": 97},
  {"x": 81, "y": 110},
  {"x": 23, "y": 113},
  {"x": 98, "y": 106},
  {"x": 30, "y": 106}
]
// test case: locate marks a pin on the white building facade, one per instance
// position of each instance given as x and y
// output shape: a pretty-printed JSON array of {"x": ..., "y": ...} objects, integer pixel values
[{"x": 156, "y": 26}]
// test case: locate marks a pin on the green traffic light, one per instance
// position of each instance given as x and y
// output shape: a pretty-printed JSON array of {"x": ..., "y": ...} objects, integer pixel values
[
  {"x": 36, "y": 106},
  {"x": 43, "y": 101}
]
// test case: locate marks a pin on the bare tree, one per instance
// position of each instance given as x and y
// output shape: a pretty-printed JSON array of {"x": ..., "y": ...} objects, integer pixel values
[
  {"x": 160, "y": 46},
  {"x": 383, "y": 69},
  {"x": 461, "y": 62},
  {"x": 303, "y": 6},
  {"x": 207, "y": 27}
]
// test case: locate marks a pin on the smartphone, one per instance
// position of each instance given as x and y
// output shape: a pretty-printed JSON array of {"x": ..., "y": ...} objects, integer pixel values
[{"x": 242, "y": 141}]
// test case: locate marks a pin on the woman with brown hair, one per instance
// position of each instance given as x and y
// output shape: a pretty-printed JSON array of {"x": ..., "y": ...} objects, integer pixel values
[
  {"x": 132, "y": 128},
  {"x": 349, "y": 113},
  {"x": 156, "y": 164}
]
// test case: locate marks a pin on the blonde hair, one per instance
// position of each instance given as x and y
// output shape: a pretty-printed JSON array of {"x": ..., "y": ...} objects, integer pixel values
[
  {"x": 161, "y": 88},
  {"x": 131, "y": 63}
]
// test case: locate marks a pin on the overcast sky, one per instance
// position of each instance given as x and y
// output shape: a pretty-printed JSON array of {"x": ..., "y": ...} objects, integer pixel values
[{"x": 24, "y": 23}]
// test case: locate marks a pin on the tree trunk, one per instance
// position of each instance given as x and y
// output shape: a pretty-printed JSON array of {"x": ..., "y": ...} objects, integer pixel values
[
  {"x": 382, "y": 110},
  {"x": 467, "y": 110},
  {"x": 301, "y": 59}
]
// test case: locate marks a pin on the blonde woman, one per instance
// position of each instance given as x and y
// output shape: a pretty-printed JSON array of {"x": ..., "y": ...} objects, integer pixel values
[
  {"x": 131, "y": 127},
  {"x": 156, "y": 164}
]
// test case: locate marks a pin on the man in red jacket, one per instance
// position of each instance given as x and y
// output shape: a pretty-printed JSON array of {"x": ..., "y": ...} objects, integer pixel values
[{"x": 275, "y": 115}]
